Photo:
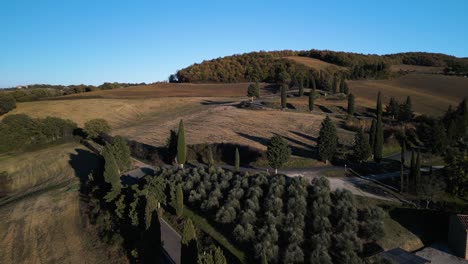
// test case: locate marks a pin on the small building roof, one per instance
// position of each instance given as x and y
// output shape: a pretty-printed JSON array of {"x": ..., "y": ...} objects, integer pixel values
[
  {"x": 463, "y": 220},
  {"x": 402, "y": 256}
]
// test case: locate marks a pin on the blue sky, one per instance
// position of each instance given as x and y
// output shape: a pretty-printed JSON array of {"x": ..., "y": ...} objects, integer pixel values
[{"x": 82, "y": 41}]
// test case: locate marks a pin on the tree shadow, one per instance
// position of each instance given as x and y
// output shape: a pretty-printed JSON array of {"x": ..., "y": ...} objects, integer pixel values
[
  {"x": 83, "y": 163},
  {"x": 261, "y": 140},
  {"x": 324, "y": 109},
  {"x": 311, "y": 138},
  {"x": 422, "y": 223},
  {"x": 271, "y": 88},
  {"x": 290, "y": 106},
  {"x": 210, "y": 102}
]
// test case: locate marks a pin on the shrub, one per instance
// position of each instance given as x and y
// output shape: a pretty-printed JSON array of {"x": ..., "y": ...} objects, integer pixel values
[
  {"x": 95, "y": 127},
  {"x": 7, "y": 103}
]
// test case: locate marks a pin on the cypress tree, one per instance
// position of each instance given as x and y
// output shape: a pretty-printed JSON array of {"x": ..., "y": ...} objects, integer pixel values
[
  {"x": 211, "y": 161},
  {"x": 251, "y": 91},
  {"x": 189, "y": 243},
  {"x": 361, "y": 148},
  {"x": 237, "y": 160},
  {"x": 111, "y": 174},
  {"x": 411, "y": 176},
  {"x": 417, "y": 169},
  {"x": 372, "y": 133},
  {"x": 350, "y": 104},
  {"x": 379, "y": 105},
  {"x": 257, "y": 90},
  {"x": 301, "y": 87},
  {"x": 346, "y": 88},
  {"x": 177, "y": 199},
  {"x": 121, "y": 153},
  {"x": 379, "y": 140},
  {"x": 152, "y": 240},
  {"x": 335, "y": 85},
  {"x": 283, "y": 97},
  {"x": 181, "y": 146},
  {"x": 314, "y": 84},
  {"x": 327, "y": 141},
  {"x": 311, "y": 99},
  {"x": 278, "y": 152}
]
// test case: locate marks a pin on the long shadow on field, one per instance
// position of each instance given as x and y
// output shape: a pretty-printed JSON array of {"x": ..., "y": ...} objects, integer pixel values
[
  {"x": 324, "y": 109},
  {"x": 210, "y": 102},
  {"x": 311, "y": 138},
  {"x": 83, "y": 163},
  {"x": 296, "y": 151}
]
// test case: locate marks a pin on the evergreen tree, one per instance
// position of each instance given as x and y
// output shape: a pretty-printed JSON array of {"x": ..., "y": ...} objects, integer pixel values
[
  {"x": 311, "y": 99},
  {"x": 417, "y": 169},
  {"x": 177, "y": 199},
  {"x": 345, "y": 88},
  {"x": 314, "y": 84},
  {"x": 111, "y": 174},
  {"x": 406, "y": 113},
  {"x": 284, "y": 97},
  {"x": 211, "y": 161},
  {"x": 237, "y": 160},
  {"x": 372, "y": 133},
  {"x": 379, "y": 105},
  {"x": 361, "y": 148},
  {"x": 278, "y": 152},
  {"x": 412, "y": 173},
  {"x": 171, "y": 147},
  {"x": 439, "y": 138},
  {"x": 379, "y": 140},
  {"x": 342, "y": 85},
  {"x": 121, "y": 153},
  {"x": 189, "y": 243},
  {"x": 301, "y": 87},
  {"x": 257, "y": 90},
  {"x": 181, "y": 146},
  {"x": 152, "y": 240},
  {"x": 393, "y": 108},
  {"x": 253, "y": 91},
  {"x": 327, "y": 140},
  {"x": 350, "y": 105},
  {"x": 335, "y": 85}
]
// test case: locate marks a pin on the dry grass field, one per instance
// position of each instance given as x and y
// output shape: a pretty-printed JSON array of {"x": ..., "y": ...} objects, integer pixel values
[
  {"x": 416, "y": 68},
  {"x": 430, "y": 94},
  {"x": 171, "y": 90},
  {"x": 40, "y": 219},
  {"x": 34, "y": 169},
  {"x": 230, "y": 124},
  {"x": 118, "y": 112},
  {"x": 317, "y": 64}
]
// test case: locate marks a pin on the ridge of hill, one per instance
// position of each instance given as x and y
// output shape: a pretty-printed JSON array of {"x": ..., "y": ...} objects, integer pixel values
[{"x": 277, "y": 66}]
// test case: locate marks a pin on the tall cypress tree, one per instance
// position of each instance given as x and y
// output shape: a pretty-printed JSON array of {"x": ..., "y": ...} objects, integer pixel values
[
  {"x": 314, "y": 84},
  {"x": 181, "y": 146},
  {"x": 372, "y": 133},
  {"x": 237, "y": 160},
  {"x": 152, "y": 246},
  {"x": 283, "y": 97},
  {"x": 177, "y": 199},
  {"x": 379, "y": 140},
  {"x": 379, "y": 105},
  {"x": 417, "y": 170},
  {"x": 111, "y": 174},
  {"x": 412, "y": 172},
  {"x": 311, "y": 100},
  {"x": 301, "y": 87},
  {"x": 189, "y": 243},
  {"x": 327, "y": 141},
  {"x": 350, "y": 104}
]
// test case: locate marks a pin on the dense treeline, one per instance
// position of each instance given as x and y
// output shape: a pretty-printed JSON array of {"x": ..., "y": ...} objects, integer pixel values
[
  {"x": 20, "y": 131},
  {"x": 37, "y": 92},
  {"x": 267, "y": 66}
]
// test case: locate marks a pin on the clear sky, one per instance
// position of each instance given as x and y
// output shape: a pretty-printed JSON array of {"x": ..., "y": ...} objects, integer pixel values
[{"x": 84, "y": 41}]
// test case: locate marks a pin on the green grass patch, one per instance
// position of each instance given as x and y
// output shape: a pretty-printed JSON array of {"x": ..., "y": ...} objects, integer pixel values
[
  {"x": 391, "y": 149},
  {"x": 334, "y": 173},
  {"x": 206, "y": 227}
]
